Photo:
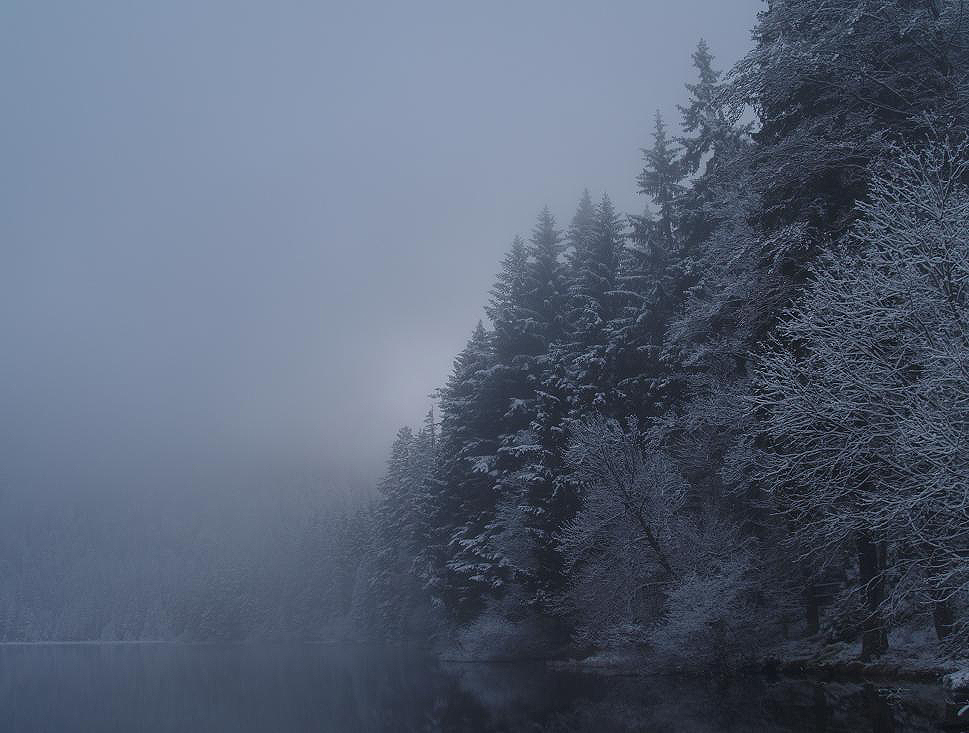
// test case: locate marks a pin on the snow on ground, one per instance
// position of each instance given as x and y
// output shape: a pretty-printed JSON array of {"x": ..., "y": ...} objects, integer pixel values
[{"x": 957, "y": 681}]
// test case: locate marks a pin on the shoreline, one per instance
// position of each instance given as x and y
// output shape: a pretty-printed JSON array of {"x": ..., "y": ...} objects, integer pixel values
[{"x": 950, "y": 674}]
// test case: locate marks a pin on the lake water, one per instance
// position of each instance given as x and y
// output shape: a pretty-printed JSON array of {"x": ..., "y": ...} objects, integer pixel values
[{"x": 280, "y": 688}]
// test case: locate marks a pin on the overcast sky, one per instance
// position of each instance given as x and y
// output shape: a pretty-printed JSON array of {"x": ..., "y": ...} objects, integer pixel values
[{"x": 238, "y": 233}]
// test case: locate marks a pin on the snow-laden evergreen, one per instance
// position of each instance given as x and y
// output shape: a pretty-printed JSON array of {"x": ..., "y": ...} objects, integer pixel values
[{"x": 736, "y": 418}]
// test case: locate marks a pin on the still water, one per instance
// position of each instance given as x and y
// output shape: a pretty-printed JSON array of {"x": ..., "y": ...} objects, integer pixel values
[{"x": 248, "y": 688}]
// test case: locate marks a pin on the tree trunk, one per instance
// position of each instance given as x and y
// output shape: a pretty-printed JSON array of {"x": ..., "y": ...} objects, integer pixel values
[
  {"x": 874, "y": 638},
  {"x": 812, "y": 608},
  {"x": 654, "y": 544},
  {"x": 944, "y": 618}
]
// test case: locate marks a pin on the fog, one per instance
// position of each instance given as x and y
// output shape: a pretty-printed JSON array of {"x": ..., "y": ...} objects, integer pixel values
[{"x": 247, "y": 236}]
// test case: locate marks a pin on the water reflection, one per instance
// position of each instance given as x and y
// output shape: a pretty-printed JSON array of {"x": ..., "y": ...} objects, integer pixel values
[{"x": 249, "y": 688}]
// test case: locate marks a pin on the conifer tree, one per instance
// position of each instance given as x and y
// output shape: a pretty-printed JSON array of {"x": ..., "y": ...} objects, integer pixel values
[
  {"x": 506, "y": 296},
  {"x": 651, "y": 285},
  {"x": 833, "y": 82},
  {"x": 526, "y": 462},
  {"x": 661, "y": 179},
  {"x": 579, "y": 238},
  {"x": 706, "y": 119},
  {"x": 471, "y": 411},
  {"x": 404, "y": 531},
  {"x": 593, "y": 298}
]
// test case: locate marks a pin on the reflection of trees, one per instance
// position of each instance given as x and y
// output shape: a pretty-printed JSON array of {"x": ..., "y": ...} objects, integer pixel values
[
  {"x": 359, "y": 689},
  {"x": 530, "y": 697}
]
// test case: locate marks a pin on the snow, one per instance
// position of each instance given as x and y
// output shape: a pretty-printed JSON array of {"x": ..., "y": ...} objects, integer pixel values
[{"x": 957, "y": 681}]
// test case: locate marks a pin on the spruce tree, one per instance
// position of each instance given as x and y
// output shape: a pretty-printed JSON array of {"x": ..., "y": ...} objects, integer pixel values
[
  {"x": 651, "y": 285},
  {"x": 579, "y": 239},
  {"x": 526, "y": 463},
  {"x": 706, "y": 118},
  {"x": 404, "y": 531},
  {"x": 593, "y": 299},
  {"x": 471, "y": 409},
  {"x": 661, "y": 180}
]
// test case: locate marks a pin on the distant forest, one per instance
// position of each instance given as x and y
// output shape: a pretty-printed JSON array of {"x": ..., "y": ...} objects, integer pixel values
[{"x": 736, "y": 419}]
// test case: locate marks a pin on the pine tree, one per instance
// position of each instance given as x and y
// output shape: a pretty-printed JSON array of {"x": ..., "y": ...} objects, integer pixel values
[
  {"x": 706, "y": 118},
  {"x": 470, "y": 571},
  {"x": 507, "y": 293},
  {"x": 705, "y": 342},
  {"x": 651, "y": 285},
  {"x": 833, "y": 82},
  {"x": 661, "y": 179},
  {"x": 526, "y": 463},
  {"x": 584, "y": 377},
  {"x": 579, "y": 238},
  {"x": 404, "y": 532},
  {"x": 544, "y": 283},
  {"x": 527, "y": 313}
]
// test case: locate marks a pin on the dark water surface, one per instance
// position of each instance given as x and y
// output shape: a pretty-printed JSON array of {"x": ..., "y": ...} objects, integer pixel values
[{"x": 279, "y": 688}]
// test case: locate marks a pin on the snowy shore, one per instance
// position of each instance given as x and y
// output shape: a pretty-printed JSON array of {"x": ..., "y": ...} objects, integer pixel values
[{"x": 799, "y": 659}]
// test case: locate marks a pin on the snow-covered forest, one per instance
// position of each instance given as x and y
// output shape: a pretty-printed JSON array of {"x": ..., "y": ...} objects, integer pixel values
[
  {"x": 734, "y": 420},
  {"x": 740, "y": 417}
]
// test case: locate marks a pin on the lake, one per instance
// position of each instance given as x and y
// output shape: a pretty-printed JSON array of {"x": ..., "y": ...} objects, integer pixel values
[{"x": 279, "y": 688}]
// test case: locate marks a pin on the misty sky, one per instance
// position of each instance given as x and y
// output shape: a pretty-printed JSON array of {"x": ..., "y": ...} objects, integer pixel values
[{"x": 239, "y": 233}]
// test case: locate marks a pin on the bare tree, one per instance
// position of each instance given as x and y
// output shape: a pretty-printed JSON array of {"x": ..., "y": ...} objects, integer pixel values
[
  {"x": 865, "y": 389},
  {"x": 619, "y": 549}
]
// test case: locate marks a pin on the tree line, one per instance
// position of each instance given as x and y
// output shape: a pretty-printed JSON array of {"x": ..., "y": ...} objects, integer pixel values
[
  {"x": 740, "y": 416},
  {"x": 278, "y": 562}
]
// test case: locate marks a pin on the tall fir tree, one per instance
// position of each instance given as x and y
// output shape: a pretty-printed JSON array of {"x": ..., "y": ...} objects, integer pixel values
[
  {"x": 594, "y": 281},
  {"x": 526, "y": 463},
  {"x": 661, "y": 180},
  {"x": 471, "y": 407},
  {"x": 404, "y": 532},
  {"x": 707, "y": 121},
  {"x": 651, "y": 284}
]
